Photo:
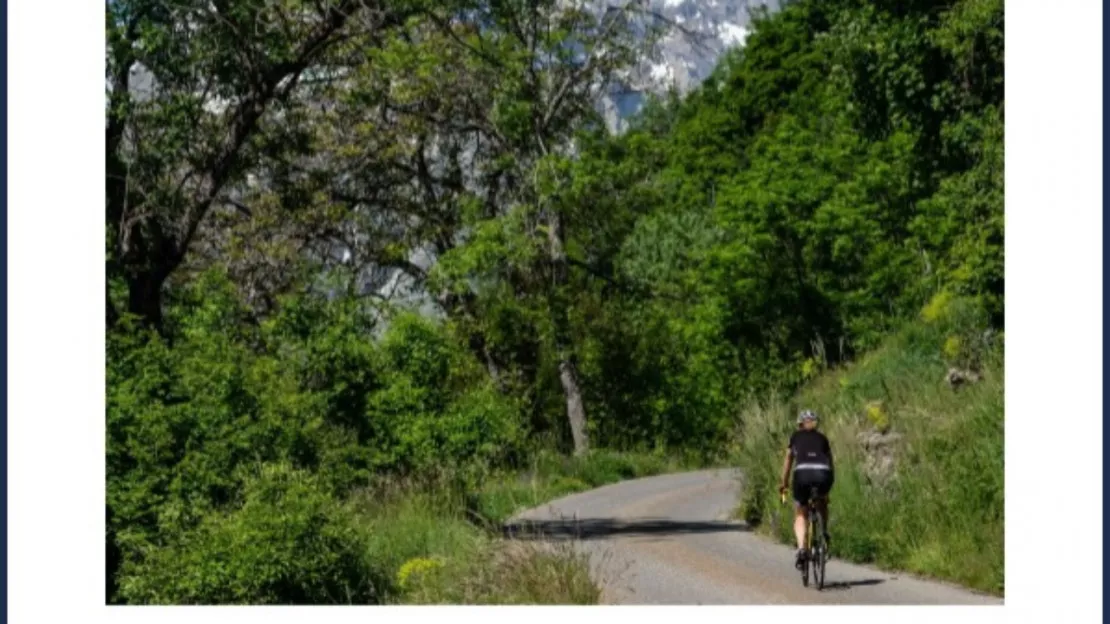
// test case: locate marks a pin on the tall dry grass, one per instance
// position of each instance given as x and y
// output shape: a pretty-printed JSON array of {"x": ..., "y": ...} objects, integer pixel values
[{"x": 938, "y": 509}]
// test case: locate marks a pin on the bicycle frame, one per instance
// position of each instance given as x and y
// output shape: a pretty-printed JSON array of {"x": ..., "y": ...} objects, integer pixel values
[{"x": 816, "y": 554}]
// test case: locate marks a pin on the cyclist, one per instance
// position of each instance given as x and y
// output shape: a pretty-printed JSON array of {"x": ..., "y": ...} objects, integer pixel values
[{"x": 809, "y": 453}]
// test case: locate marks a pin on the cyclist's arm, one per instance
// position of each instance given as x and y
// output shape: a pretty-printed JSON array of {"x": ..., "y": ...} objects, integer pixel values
[{"x": 786, "y": 461}]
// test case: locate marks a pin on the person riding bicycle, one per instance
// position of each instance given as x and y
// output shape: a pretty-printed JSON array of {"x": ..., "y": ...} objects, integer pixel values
[{"x": 811, "y": 456}]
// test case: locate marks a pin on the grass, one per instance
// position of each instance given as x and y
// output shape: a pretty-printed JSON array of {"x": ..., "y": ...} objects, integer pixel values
[
  {"x": 511, "y": 573},
  {"x": 438, "y": 557},
  {"x": 938, "y": 511},
  {"x": 553, "y": 476},
  {"x": 444, "y": 545}
]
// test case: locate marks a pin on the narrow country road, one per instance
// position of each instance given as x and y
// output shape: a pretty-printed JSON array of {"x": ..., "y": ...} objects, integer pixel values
[{"x": 668, "y": 540}]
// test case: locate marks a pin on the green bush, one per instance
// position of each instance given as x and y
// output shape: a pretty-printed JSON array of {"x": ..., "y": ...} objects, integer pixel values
[
  {"x": 290, "y": 542},
  {"x": 308, "y": 387}
]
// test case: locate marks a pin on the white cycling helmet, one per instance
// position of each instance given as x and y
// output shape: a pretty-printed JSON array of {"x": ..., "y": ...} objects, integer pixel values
[{"x": 807, "y": 415}]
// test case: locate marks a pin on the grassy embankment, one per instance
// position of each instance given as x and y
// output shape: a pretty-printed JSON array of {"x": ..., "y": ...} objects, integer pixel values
[
  {"x": 445, "y": 548},
  {"x": 936, "y": 508}
]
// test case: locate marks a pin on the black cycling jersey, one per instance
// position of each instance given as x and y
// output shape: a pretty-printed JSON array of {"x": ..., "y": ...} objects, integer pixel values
[{"x": 811, "y": 450}]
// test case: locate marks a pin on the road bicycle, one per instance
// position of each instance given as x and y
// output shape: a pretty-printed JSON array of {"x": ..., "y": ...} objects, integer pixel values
[{"x": 816, "y": 547}]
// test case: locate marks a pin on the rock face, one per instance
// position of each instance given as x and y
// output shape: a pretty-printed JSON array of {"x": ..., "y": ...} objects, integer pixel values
[
  {"x": 704, "y": 29},
  {"x": 957, "y": 377},
  {"x": 717, "y": 25},
  {"x": 879, "y": 456}
]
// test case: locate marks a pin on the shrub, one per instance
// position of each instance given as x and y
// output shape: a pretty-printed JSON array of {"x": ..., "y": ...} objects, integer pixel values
[
  {"x": 290, "y": 542},
  {"x": 307, "y": 387},
  {"x": 436, "y": 408},
  {"x": 937, "y": 308},
  {"x": 416, "y": 572},
  {"x": 952, "y": 348},
  {"x": 877, "y": 416}
]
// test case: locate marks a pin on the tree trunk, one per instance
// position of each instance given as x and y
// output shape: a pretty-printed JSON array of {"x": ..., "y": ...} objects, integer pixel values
[
  {"x": 568, "y": 371},
  {"x": 144, "y": 297},
  {"x": 576, "y": 411},
  {"x": 478, "y": 347},
  {"x": 110, "y": 314},
  {"x": 462, "y": 307}
]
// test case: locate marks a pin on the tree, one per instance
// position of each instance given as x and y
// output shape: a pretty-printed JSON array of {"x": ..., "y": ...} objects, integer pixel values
[
  {"x": 199, "y": 94},
  {"x": 531, "y": 76}
]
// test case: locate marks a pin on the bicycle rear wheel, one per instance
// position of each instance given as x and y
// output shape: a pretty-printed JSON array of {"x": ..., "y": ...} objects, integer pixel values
[
  {"x": 819, "y": 552},
  {"x": 805, "y": 571}
]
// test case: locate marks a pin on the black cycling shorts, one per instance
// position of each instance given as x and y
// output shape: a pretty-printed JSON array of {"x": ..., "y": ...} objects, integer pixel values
[{"x": 806, "y": 480}]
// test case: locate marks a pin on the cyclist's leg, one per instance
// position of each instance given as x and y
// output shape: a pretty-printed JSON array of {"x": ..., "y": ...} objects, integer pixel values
[
  {"x": 800, "y": 524},
  {"x": 801, "y": 498},
  {"x": 823, "y": 505},
  {"x": 801, "y": 512}
]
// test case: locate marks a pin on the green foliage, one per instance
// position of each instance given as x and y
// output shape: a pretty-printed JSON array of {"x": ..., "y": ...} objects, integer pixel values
[
  {"x": 436, "y": 410},
  {"x": 943, "y": 490},
  {"x": 310, "y": 388},
  {"x": 290, "y": 542},
  {"x": 827, "y": 180}
]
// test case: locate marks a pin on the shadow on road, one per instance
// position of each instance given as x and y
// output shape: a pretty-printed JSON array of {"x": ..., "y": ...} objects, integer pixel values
[
  {"x": 595, "y": 528},
  {"x": 842, "y": 585}
]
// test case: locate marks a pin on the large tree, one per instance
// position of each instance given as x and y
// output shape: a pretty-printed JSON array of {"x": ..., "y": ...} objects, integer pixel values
[
  {"x": 535, "y": 76},
  {"x": 200, "y": 96},
  {"x": 470, "y": 111}
]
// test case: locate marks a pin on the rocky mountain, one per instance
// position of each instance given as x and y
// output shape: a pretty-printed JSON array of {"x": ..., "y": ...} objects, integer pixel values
[{"x": 701, "y": 31}]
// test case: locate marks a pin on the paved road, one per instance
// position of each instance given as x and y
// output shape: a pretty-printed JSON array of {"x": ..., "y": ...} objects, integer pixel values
[{"x": 668, "y": 540}]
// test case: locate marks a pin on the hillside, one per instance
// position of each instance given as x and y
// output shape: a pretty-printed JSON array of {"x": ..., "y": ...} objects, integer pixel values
[{"x": 919, "y": 459}]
